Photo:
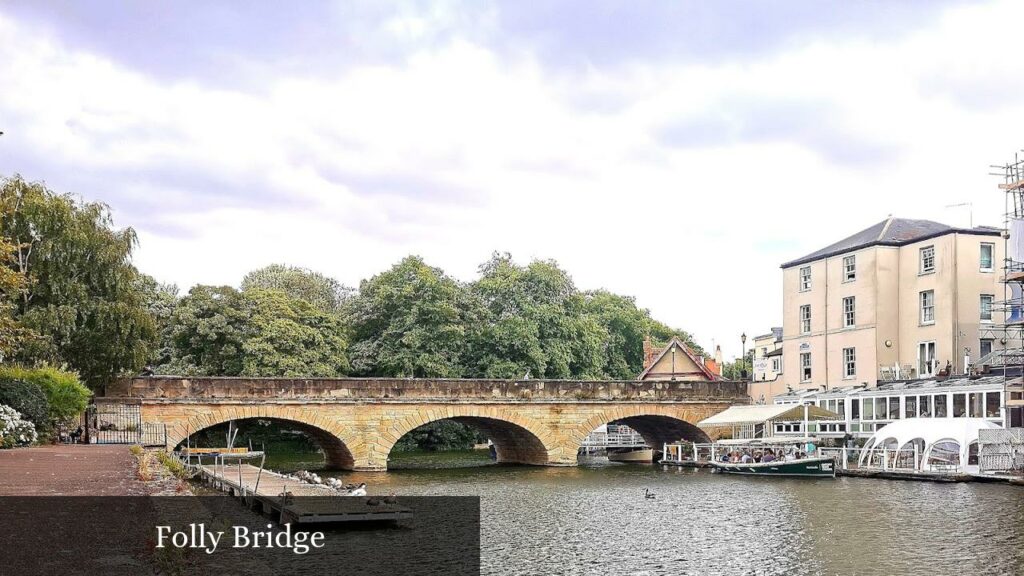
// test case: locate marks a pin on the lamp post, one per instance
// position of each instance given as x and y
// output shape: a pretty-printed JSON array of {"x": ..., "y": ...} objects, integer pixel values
[{"x": 743, "y": 358}]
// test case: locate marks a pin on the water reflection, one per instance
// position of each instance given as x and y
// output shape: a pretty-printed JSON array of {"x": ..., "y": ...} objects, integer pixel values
[{"x": 595, "y": 520}]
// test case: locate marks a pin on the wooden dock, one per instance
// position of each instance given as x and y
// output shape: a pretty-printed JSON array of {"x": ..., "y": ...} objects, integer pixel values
[{"x": 305, "y": 504}]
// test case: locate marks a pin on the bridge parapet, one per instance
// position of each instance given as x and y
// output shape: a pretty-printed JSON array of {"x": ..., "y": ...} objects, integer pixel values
[{"x": 424, "y": 389}]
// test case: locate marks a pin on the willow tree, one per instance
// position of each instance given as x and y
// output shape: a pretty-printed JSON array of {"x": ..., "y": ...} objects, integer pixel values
[{"x": 80, "y": 290}]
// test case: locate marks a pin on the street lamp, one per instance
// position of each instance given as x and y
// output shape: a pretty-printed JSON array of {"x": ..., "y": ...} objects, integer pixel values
[{"x": 743, "y": 358}]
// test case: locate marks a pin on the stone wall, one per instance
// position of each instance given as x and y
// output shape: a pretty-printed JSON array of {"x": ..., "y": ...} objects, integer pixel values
[{"x": 358, "y": 421}]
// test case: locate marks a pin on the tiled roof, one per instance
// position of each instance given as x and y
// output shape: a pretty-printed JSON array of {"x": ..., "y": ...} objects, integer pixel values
[{"x": 890, "y": 232}]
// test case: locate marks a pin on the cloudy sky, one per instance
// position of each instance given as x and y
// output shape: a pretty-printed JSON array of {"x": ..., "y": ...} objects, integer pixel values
[{"x": 674, "y": 151}]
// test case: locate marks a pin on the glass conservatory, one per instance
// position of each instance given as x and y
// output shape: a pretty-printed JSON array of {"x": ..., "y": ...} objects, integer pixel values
[{"x": 926, "y": 444}]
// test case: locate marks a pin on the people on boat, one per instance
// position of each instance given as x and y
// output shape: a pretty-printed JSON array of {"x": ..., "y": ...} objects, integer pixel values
[
  {"x": 747, "y": 458},
  {"x": 768, "y": 457}
]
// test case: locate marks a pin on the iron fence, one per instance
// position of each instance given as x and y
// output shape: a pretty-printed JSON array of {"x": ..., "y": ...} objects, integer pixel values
[{"x": 122, "y": 424}]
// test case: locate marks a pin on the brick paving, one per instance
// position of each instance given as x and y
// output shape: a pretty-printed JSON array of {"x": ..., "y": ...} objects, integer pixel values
[{"x": 69, "y": 470}]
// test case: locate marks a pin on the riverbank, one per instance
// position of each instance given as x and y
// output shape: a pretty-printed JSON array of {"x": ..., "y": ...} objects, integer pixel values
[{"x": 82, "y": 470}]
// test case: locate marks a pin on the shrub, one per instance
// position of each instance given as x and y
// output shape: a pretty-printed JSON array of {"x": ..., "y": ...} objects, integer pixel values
[
  {"x": 13, "y": 430},
  {"x": 27, "y": 398},
  {"x": 65, "y": 395}
]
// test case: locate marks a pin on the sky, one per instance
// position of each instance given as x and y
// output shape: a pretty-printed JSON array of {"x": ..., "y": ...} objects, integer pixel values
[{"x": 677, "y": 152}]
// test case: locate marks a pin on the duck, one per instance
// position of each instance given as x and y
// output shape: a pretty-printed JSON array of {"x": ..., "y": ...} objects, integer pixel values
[
  {"x": 358, "y": 490},
  {"x": 375, "y": 501},
  {"x": 391, "y": 499},
  {"x": 649, "y": 495}
]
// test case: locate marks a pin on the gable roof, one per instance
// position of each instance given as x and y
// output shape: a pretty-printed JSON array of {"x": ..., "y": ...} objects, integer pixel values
[
  {"x": 676, "y": 342},
  {"x": 890, "y": 232}
]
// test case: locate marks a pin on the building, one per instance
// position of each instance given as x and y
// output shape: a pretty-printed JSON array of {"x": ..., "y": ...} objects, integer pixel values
[
  {"x": 768, "y": 366},
  {"x": 866, "y": 409},
  {"x": 902, "y": 299},
  {"x": 675, "y": 361}
]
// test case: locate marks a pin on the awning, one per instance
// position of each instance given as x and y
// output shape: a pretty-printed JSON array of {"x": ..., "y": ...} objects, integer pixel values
[
  {"x": 761, "y": 413},
  {"x": 771, "y": 440}
]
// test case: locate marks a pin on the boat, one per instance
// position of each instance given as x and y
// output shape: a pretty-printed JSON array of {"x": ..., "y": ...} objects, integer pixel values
[
  {"x": 819, "y": 467},
  {"x": 631, "y": 455}
]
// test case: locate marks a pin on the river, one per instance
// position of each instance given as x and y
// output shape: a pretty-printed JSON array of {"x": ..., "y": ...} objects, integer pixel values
[{"x": 595, "y": 520}]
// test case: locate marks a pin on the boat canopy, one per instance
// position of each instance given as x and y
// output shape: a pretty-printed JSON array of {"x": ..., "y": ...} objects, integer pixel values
[
  {"x": 769, "y": 441},
  {"x": 761, "y": 413}
]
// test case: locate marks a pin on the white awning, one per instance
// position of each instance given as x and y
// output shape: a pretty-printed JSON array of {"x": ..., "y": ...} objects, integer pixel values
[{"x": 761, "y": 413}]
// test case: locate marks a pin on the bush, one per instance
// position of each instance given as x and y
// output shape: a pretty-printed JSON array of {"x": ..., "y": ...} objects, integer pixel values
[
  {"x": 26, "y": 398},
  {"x": 65, "y": 395},
  {"x": 13, "y": 430}
]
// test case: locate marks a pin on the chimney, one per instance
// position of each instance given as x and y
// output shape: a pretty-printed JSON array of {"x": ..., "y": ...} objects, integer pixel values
[
  {"x": 648, "y": 352},
  {"x": 718, "y": 355}
]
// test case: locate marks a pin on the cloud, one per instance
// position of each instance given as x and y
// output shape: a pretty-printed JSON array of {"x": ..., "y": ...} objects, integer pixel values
[{"x": 675, "y": 152}]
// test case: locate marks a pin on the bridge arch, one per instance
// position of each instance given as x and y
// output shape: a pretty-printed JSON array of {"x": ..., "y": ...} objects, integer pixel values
[
  {"x": 341, "y": 449},
  {"x": 656, "y": 424},
  {"x": 517, "y": 439}
]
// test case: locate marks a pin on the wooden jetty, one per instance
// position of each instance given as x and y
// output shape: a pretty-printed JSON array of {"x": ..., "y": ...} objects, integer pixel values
[{"x": 290, "y": 500}]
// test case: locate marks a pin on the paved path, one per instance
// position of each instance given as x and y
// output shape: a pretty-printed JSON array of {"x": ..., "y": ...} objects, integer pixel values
[{"x": 69, "y": 470}]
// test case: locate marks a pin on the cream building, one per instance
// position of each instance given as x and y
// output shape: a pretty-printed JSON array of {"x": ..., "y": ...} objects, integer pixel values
[
  {"x": 901, "y": 299},
  {"x": 768, "y": 365}
]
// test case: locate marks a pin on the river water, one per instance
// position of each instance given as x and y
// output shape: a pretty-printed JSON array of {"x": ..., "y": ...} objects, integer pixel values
[{"x": 595, "y": 520}]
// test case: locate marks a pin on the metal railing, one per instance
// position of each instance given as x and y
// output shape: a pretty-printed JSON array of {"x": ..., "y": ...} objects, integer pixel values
[{"x": 614, "y": 440}]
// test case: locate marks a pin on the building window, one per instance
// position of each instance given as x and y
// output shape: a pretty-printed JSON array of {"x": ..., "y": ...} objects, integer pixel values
[
  {"x": 805, "y": 319},
  {"x": 984, "y": 348},
  {"x": 986, "y": 307},
  {"x": 805, "y": 278},
  {"x": 925, "y": 359},
  {"x": 992, "y": 405},
  {"x": 854, "y": 409},
  {"x": 925, "y": 403},
  {"x": 894, "y": 408},
  {"x": 959, "y": 405},
  {"x": 777, "y": 365},
  {"x": 849, "y": 268},
  {"x": 880, "y": 408},
  {"x": 849, "y": 312},
  {"x": 869, "y": 409},
  {"x": 941, "y": 405},
  {"x": 805, "y": 366},
  {"x": 849, "y": 362},
  {"x": 928, "y": 307},
  {"x": 927, "y": 259},
  {"x": 987, "y": 252},
  {"x": 910, "y": 407}
]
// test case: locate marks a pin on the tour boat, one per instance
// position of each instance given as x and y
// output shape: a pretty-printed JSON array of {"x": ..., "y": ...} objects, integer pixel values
[{"x": 815, "y": 467}]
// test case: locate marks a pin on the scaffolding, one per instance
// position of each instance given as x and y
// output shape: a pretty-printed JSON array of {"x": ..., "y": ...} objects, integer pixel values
[{"x": 1011, "y": 309}]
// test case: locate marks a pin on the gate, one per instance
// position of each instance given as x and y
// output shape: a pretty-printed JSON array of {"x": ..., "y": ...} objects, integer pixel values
[
  {"x": 122, "y": 424},
  {"x": 1001, "y": 450}
]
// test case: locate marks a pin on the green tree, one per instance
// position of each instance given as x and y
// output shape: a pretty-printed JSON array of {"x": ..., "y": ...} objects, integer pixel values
[
  {"x": 12, "y": 284},
  {"x": 286, "y": 336},
  {"x": 208, "y": 329},
  {"x": 536, "y": 321},
  {"x": 322, "y": 292},
  {"x": 80, "y": 287},
  {"x": 161, "y": 302},
  {"x": 66, "y": 397},
  {"x": 410, "y": 321}
]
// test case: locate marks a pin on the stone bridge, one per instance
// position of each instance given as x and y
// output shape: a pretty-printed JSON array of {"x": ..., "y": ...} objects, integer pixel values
[{"x": 357, "y": 421}]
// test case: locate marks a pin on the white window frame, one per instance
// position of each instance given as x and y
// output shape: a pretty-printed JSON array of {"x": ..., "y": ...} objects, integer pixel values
[
  {"x": 927, "y": 259},
  {"x": 849, "y": 363},
  {"x": 805, "y": 367},
  {"x": 805, "y": 280},
  {"x": 805, "y": 322},
  {"x": 926, "y": 305},
  {"x": 850, "y": 268},
  {"x": 777, "y": 364},
  {"x": 849, "y": 312},
  {"x": 991, "y": 257},
  {"x": 930, "y": 370},
  {"x": 982, "y": 308}
]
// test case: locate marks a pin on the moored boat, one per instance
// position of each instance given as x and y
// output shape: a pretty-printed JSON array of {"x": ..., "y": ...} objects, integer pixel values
[{"x": 814, "y": 467}]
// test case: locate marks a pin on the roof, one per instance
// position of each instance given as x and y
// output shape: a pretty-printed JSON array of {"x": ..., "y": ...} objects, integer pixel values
[
  {"x": 776, "y": 352},
  {"x": 890, "y": 232},
  {"x": 931, "y": 430},
  {"x": 760, "y": 413},
  {"x": 925, "y": 385},
  {"x": 675, "y": 341}
]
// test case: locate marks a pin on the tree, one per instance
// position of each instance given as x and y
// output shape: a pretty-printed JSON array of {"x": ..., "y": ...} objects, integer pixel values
[
  {"x": 410, "y": 321},
  {"x": 80, "y": 287},
  {"x": 536, "y": 322},
  {"x": 12, "y": 284},
  {"x": 322, "y": 292},
  {"x": 208, "y": 330},
  {"x": 66, "y": 397},
  {"x": 626, "y": 327},
  {"x": 286, "y": 336},
  {"x": 161, "y": 302}
]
